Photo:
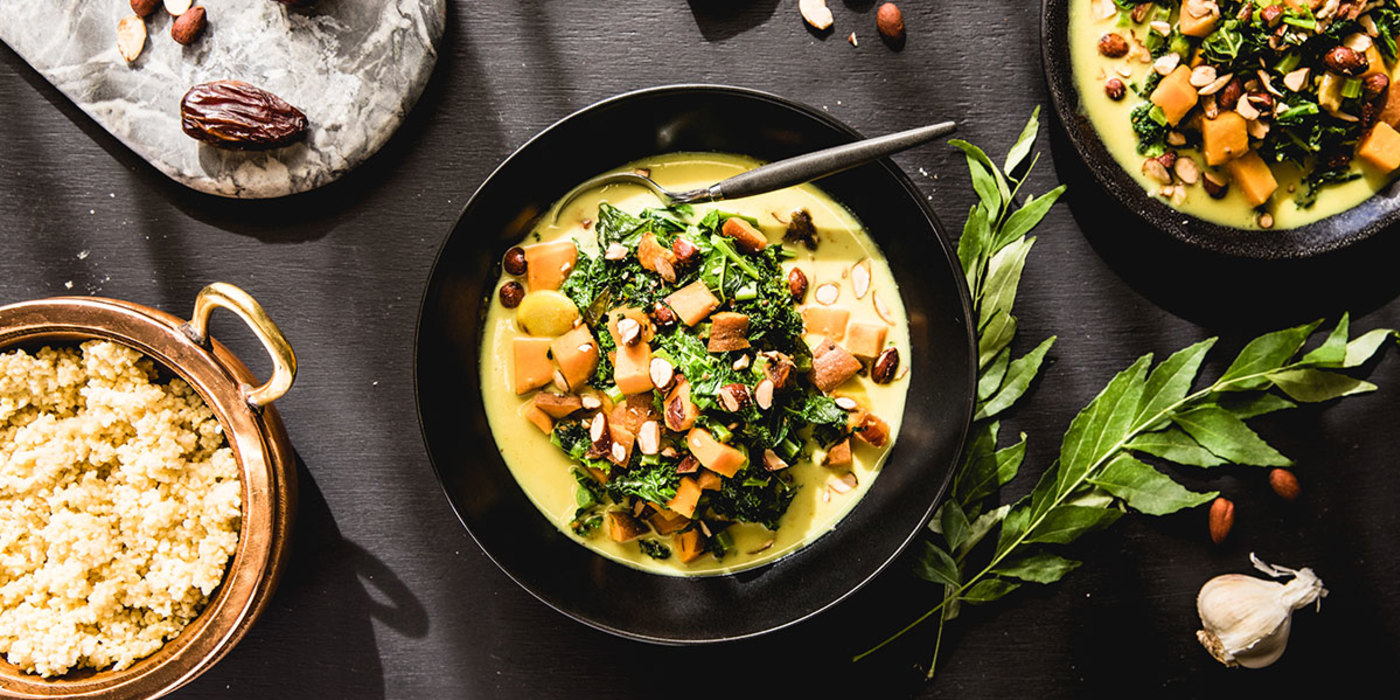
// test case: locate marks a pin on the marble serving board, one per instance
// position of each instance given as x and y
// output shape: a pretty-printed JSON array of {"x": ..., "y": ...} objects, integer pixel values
[{"x": 355, "y": 67}]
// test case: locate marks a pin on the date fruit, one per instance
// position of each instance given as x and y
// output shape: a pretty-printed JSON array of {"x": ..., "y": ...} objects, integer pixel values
[{"x": 235, "y": 115}]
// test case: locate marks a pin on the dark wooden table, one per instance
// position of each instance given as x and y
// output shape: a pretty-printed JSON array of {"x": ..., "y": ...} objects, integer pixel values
[{"x": 389, "y": 596}]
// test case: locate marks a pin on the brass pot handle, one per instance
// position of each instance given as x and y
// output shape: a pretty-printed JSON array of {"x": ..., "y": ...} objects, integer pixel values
[{"x": 242, "y": 304}]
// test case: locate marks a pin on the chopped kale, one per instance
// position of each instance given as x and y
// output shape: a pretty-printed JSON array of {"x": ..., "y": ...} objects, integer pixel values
[
  {"x": 1151, "y": 128},
  {"x": 654, "y": 549}
]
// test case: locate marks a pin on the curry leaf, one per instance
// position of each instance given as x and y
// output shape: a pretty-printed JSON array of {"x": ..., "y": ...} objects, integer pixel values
[
  {"x": 1037, "y": 567},
  {"x": 1245, "y": 406},
  {"x": 1065, "y": 524},
  {"x": 1169, "y": 382},
  {"x": 954, "y": 524},
  {"x": 1363, "y": 347},
  {"x": 1024, "y": 143},
  {"x": 1174, "y": 445},
  {"x": 1102, "y": 427},
  {"x": 1145, "y": 489},
  {"x": 987, "y": 180},
  {"x": 991, "y": 377},
  {"x": 988, "y": 590},
  {"x": 1333, "y": 351},
  {"x": 936, "y": 566},
  {"x": 1018, "y": 379},
  {"x": 1024, "y": 219},
  {"x": 1263, "y": 354},
  {"x": 983, "y": 525},
  {"x": 1313, "y": 385},
  {"x": 1221, "y": 432}
]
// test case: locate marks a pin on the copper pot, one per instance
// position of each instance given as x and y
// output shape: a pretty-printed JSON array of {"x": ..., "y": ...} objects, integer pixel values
[{"x": 267, "y": 469}]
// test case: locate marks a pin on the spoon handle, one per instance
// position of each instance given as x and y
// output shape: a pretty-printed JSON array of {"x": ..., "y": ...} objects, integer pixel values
[{"x": 818, "y": 164}]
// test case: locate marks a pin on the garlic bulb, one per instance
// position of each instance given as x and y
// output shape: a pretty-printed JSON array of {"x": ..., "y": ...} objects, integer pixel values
[{"x": 1246, "y": 619}]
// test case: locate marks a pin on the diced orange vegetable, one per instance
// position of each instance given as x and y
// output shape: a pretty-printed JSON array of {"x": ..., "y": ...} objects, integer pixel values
[
  {"x": 709, "y": 481},
  {"x": 839, "y": 455},
  {"x": 829, "y": 321},
  {"x": 680, "y": 412},
  {"x": 626, "y": 439},
  {"x": 832, "y": 365},
  {"x": 1390, "y": 113},
  {"x": 728, "y": 331},
  {"x": 1191, "y": 25},
  {"x": 1375, "y": 64},
  {"x": 598, "y": 475},
  {"x": 873, "y": 431},
  {"x": 657, "y": 258},
  {"x": 1380, "y": 148},
  {"x": 556, "y": 405},
  {"x": 538, "y": 418},
  {"x": 1225, "y": 137},
  {"x": 689, "y": 546},
  {"x": 1175, "y": 95},
  {"x": 1252, "y": 176},
  {"x": 1298, "y": 5},
  {"x": 622, "y": 527},
  {"x": 576, "y": 353},
  {"x": 549, "y": 264},
  {"x": 864, "y": 339},
  {"x": 746, "y": 238},
  {"x": 715, "y": 455},
  {"x": 686, "y": 499},
  {"x": 666, "y": 521},
  {"x": 532, "y": 367},
  {"x": 634, "y": 411},
  {"x": 632, "y": 363},
  {"x": 692, "y": 303}
]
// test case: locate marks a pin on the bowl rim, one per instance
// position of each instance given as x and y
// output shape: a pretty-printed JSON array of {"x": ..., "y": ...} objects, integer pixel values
[
  {"x": 1331, "y": 233},
  {"x": 259, "y": 445},
  {"x": 909, "y": 189}
]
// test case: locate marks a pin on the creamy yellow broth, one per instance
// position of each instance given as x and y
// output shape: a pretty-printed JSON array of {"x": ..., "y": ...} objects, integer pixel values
[
  {"x": 544, "y": 471},
  {"x": 1111, "y": 121}
]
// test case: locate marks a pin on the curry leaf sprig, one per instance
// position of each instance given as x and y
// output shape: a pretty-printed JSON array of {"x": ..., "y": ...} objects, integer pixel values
[{"x": 981, "y": 551}]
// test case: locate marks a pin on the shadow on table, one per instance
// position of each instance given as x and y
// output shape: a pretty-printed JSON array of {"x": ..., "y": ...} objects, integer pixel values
[
  {"x": 317, "y": 632},
  {"x": 1215, "y": 290},
  {"x": 725, "y": 19}
]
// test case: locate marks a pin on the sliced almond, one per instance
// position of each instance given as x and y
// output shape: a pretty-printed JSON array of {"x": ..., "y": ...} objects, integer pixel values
[
  {"x": 1268, "y": 83},
  {"x": 816, "y": 13},
  {"x": 1296, "y": 80},
  {"x": 1202, "y": 76},
  {"x": 662, "y": 372},
  {"x": 619, "y": 453},
  {"x": 1369, "y": 25},
  {"x": 560, "y": 382},
  {"x": 598, "y": 428},
  {"x": 1247, "y": 109},
  {"x": 591, "y": 402},
  {"x": 1216, "y": 85},
  {"x": 1357, "y": 42},
  {"x": 772, "y": 462},
  {"x": 1167, "y": 63},
  {"x": 649, "y": 438},
  {"x": 846, "y": 403},
  {"x": 629, "y": 331},
  {"x": 1154, "y": 169},
  {"x": 615, "y": 251},
  {"x": 881, "y": 309},
  {"x": 844, "y": 483},
  {"x": 1176, "y": 138},
  {"x": 763, "y": 394},
  {"x": 131, "y": 37},
  {"x": 1104, "y": 9},
  {"x": 827, "y": 294},
  {"x": 1210, "y": 107},
  {"x": 1160, "y": 27},
  {"x": 1124, "y": 71},
  {"x": 741, "y": 364},
  {"x": 1257, "y": 129},
  {"x": 860, "y": 278},
  {"x": 1187, "y": 170}
]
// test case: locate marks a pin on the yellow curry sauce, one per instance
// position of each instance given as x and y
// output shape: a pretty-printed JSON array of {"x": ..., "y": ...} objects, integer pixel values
[
  {"x": 1091, "y": 19},
  {"x": 544, "y": 471}
]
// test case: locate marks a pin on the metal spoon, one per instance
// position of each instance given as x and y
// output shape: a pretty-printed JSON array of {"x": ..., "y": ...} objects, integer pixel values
[{"x": 775, "y": 176}]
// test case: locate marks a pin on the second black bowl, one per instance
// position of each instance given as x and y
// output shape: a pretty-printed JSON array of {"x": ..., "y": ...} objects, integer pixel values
[{"x": 609, "y": 595}]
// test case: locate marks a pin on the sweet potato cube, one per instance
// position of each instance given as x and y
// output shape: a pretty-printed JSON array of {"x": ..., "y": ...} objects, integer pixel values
[
  {"x": 624, "y": 438},
  {"x": 1375, "y": 64},
  {"x": 622, "y": 527},
  {"x": 1199, "y": 27},
  {"x": 838, "y": 455},
  {"x": 746, "y": 238},
  {"x": 633, "y": 412},
  {"x": 1175, "y": 95},
  {"x": 687, "y": 497},
  {"x": 538, "y": 418},
  {"x": 1380, "y": 148},
  {"x": 689, "y": 546},
  {"x": 632, "y": 363},
  {"x": 873, "y": 431},
  {"x": 680, "y": 411},
  {"x": 864, "y": 339},
  {"x": 666, "y": 521},
  {"x": 549, "y": 264},
  {"x": 1225, "y": 137},
  {"x": 1390, "y": 113},
  {"x": 656, "y": 257},
  {"x": 728, "y": 331},
  {"x": 713, "y": 454},
  {"x": 692, "y": 303},
  {"x": 829, "y": 321},
  {"x": 576, "y": 353},
  {"x": 1252, "y": 176},
  {"x": 557, "y": 405},
  {"x": 709, "y": 481},
  {"x": 832, "y": 365},
  {"x": 531, "y": 364}
]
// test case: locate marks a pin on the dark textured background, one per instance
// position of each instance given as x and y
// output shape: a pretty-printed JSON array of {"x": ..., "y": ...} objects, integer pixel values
[{"x": 389, "y": 596}]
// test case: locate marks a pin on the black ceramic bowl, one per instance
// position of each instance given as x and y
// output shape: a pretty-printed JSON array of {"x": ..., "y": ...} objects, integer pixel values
[
  {"x": 599, "y": 591},
  {"x": 1338, "y": 231}
]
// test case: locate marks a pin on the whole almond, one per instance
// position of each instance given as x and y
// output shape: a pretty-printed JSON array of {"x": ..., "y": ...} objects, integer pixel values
[
  {"x": 890, "y": 21},
  {"x": 885, "y": 367},
  {"x": 1284, "y": 483},
  {"x": 188, "y": 26},
  {"x": 144, "y": 7},
  {"x": 1222, "y": 518},
  {"x": 131, "y": 37},
  {"x": 797, "y": 284}
]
